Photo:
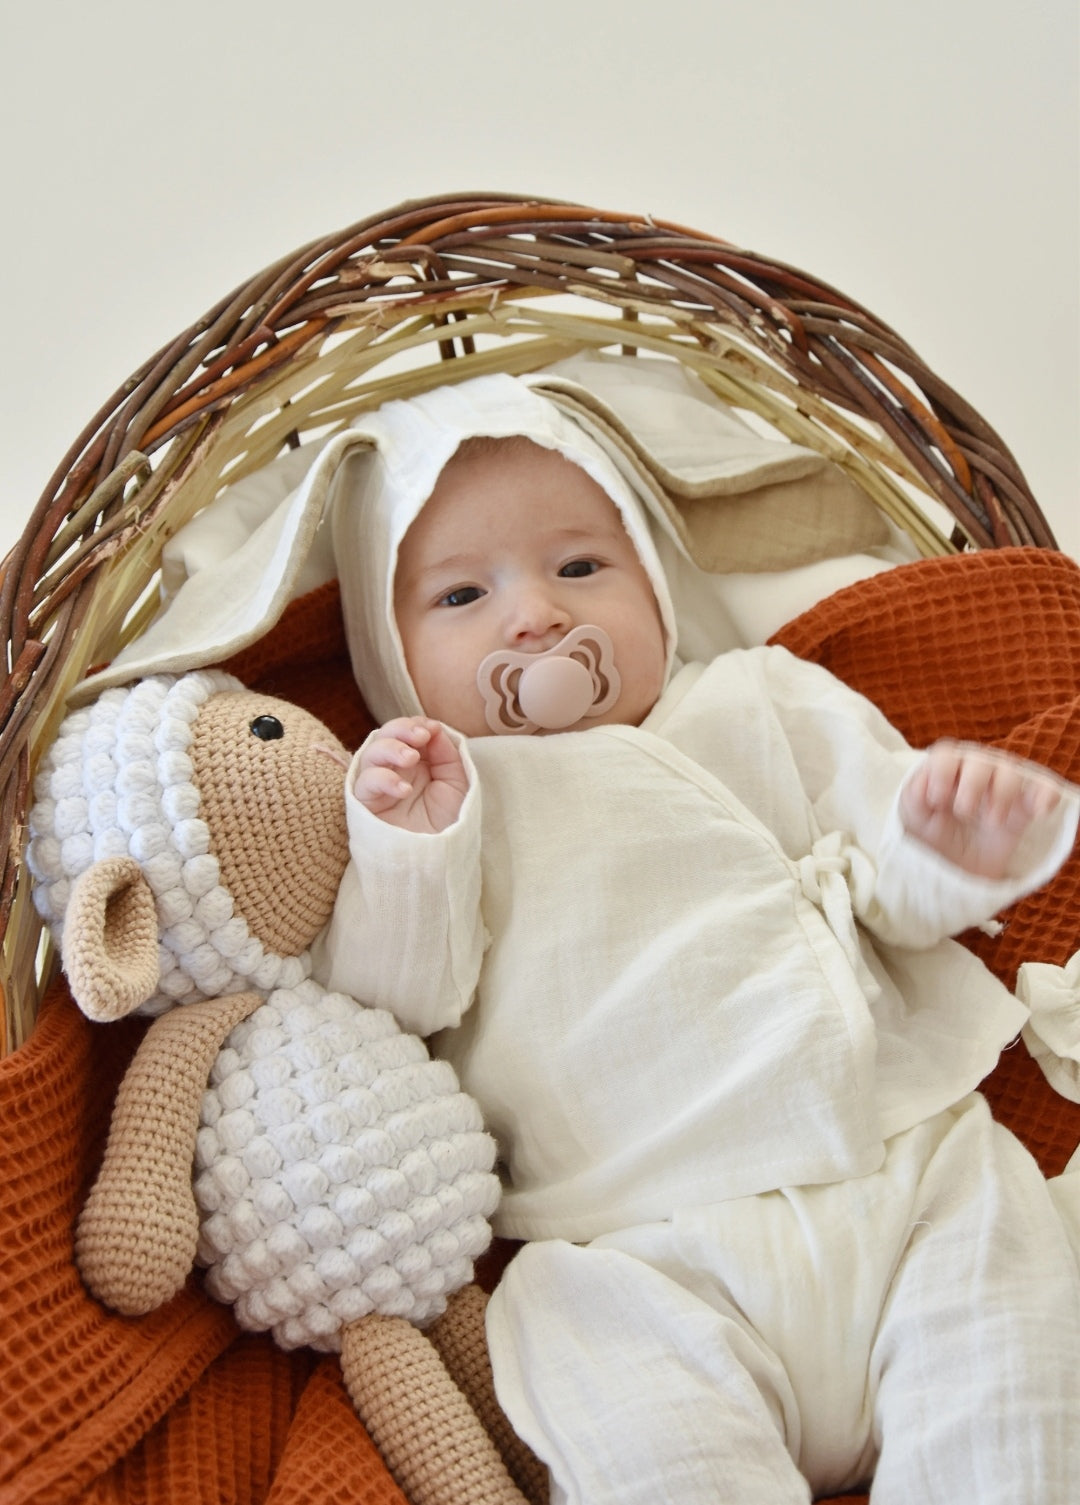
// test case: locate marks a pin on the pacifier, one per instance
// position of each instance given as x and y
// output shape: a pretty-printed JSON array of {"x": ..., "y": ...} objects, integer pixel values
[{"x": 548, "y": 692}]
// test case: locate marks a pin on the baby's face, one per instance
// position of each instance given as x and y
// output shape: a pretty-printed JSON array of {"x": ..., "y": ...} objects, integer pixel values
[{"x": 515, "y": 547}]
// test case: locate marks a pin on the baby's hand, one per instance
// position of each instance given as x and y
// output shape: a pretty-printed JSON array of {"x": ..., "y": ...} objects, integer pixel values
[
  {"x": 412, "y": 775},
  {"x": 973, "y": 805}
]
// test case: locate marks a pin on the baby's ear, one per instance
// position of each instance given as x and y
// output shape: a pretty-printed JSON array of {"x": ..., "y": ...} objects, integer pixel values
[{"x": 110, "y": 944}]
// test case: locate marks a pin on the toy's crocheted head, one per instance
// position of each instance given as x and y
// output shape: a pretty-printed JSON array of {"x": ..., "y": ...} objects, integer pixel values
[{"x": 210, "y": 788}]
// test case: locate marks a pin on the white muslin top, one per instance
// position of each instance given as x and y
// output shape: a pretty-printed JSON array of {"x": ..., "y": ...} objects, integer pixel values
[{"x": 688, "y": 961}]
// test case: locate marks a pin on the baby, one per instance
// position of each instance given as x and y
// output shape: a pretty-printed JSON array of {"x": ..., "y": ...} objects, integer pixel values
[{"x": 776, "y": 1244}]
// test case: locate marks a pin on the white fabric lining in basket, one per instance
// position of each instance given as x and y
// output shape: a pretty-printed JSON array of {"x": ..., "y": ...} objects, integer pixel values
[{"x": 228, "y": 575}]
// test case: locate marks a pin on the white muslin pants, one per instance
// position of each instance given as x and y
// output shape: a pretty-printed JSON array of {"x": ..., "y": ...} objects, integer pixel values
[{"x": 919, "y": 1326}]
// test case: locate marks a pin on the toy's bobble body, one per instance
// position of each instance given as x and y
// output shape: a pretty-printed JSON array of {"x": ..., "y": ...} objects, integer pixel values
[{"x": 224, "y": 882}]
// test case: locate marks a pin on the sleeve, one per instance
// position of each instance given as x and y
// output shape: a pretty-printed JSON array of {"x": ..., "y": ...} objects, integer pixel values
[
  {"x": 852, "y": 764},
  {"x": 406, "y": 933}
]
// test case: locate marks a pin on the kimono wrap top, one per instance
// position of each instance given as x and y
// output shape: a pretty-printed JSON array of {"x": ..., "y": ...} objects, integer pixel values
[{"x": 687, "y": 961}]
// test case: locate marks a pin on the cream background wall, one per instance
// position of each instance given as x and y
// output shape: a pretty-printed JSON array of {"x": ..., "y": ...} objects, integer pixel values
[{"x": 924, "y": 158}]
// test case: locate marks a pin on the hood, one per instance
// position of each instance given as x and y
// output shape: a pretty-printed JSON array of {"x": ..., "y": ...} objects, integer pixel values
[{"x": 379, "y": 492}]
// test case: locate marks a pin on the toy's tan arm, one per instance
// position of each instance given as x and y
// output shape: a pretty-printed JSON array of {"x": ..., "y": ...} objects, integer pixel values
[{"x": 136, "y": 1237}]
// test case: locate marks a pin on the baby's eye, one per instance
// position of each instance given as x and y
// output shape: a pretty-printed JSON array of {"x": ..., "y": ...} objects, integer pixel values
[
  {"x": 464, "y": 595},
  {"x": 577, "y": 569}
]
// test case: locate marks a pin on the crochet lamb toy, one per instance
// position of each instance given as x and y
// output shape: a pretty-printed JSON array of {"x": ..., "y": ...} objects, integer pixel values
[{"x": 187, "y": 844}]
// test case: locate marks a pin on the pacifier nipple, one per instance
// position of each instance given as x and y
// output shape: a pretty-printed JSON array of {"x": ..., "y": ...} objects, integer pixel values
[
  {"x": 555, "y": 692},
  {"x": 548, "y": 692}
]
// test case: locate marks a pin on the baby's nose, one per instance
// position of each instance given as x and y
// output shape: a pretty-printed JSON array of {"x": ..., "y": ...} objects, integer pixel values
[{"x": 539, "y": 619}]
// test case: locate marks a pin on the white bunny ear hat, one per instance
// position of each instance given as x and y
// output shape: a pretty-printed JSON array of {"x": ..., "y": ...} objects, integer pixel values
[
  {"x": 378, "y": 492},
  {"x": 118, "y": 781}
]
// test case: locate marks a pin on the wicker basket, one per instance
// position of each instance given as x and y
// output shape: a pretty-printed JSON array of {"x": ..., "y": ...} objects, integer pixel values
[
  {"x": 437, "y": 290},
  {"x": 485, "y": 282}
]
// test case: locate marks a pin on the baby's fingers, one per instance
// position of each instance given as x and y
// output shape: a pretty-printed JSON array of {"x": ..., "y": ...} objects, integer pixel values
[
  {"x": 983, "y": 783},
  {"x": 380, "y": 787},
  {"x": 939, "y": 779},
  {"x": 399, "y": 744},
  {"x": 1041, "y": 794},
  {"x": 1016, "y": 796},
  {"x": 988, "y": 789},
  {"x": 389, "y": 752},
  {"x": 414, "y": 731},
  {"x": 1006, "y": 791}
]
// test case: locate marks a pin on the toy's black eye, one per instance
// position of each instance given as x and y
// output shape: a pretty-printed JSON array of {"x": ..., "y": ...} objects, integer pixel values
[{"x": 267, "y": 728}]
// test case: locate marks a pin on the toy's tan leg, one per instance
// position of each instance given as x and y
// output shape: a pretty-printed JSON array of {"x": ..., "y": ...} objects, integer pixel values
[
  {"x": 429, "y": 1436},
  {"x": 462, "y": 1342}
]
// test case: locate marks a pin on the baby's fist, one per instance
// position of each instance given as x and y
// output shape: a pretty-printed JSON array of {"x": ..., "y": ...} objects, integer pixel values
[
  {"x": 974, "y": 804},
  {"x": 412, "y": 775}
]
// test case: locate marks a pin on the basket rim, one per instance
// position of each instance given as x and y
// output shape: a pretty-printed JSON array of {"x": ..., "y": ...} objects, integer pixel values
[{"x": 443, "y": 270}]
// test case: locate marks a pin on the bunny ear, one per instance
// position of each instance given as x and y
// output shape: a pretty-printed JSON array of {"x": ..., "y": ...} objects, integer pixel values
[{"x": 110, "y": 943}]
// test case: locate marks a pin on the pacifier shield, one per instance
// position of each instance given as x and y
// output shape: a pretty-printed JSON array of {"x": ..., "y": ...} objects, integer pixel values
[{"x": 530, "y": 692}]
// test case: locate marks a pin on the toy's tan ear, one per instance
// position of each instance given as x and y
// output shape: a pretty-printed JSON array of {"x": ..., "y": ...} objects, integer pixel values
[{"x": 110, "y": 944}]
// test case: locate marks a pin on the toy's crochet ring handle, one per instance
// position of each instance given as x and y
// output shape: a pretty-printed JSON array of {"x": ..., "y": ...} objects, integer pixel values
[{"x": 550, "y": 692}]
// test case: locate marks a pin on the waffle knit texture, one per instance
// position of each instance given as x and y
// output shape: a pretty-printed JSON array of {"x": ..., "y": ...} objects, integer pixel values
[{"x": 179, "y": 1407}]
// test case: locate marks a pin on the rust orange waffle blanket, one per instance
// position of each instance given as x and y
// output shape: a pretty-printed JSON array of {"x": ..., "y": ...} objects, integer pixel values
[{"x": 179, "y": 1408}]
